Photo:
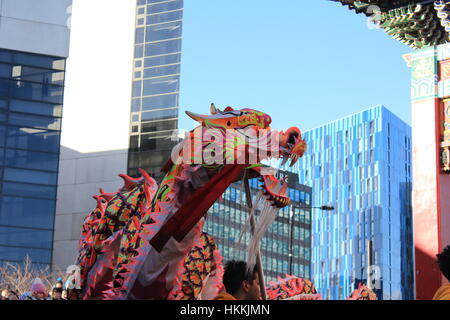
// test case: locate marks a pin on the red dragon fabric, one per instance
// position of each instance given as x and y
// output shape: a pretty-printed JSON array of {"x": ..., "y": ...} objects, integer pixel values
[
  {"x": 200, "y": 277},
  {"x": 363, "y": 293},
  {"x": 139, "y": 239},
  {"x": 292, "y": 288}
]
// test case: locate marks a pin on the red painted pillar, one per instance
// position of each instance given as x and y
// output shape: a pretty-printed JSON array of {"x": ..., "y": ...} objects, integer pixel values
[{"x": 431, "y": 184}]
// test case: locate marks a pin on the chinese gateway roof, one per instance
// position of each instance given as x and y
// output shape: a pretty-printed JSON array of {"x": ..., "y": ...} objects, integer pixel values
[{"x": 415, "y": 23}]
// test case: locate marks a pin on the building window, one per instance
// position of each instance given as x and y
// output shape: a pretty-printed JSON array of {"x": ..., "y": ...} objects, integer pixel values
[{"x": 32, "y": 94}]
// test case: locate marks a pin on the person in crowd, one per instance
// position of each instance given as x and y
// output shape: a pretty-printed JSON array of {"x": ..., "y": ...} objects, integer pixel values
[
  {"x": 73, "y": 294},
  {"x": 25, "y": 296},
  {"x": 13, "y": 295},
  {"x": 443, "y": 260},
  {"x": 72, "y": 288},
  {"x": 64, "y": 294},
  {"x": 57, "y": 293},
  {"x": 5, "y": 294},
  {"x": 240, "y": 284},
  {"x": 59, "y": 284},
  {"x": 38, "y": 291}
]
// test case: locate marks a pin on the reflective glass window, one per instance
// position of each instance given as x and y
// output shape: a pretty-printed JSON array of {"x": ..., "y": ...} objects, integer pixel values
[
  {"x": 30, "y": 176},
  {"x": 162, "y": 71},
  {"x": 6, "y": 56},
  {"x": 2, "y": 116},
  {"x": 19, "y": 254},
  {"x": 159, "y": 102},
  {"x": 39, "y": 61},
  {"x": 307, "y": 235},
  {"x": 31, "y": 159},
  {"x": 297, "y": 233},
  {"x": 5, "y": 87},
  {"x": 161, "y": 85},
  {"x": 45, "y": 109},
  {"x": 36, "y": 91},
  {"x": 166, "y": 113},
  {"x": 159, "y": 134},
  {"x": 2, "y": 135},
  {"x": 147, "y": 143},
  {"x": 166, "y": 6},
  {"x": 38, "y": 75},
  {"x": 137, "y": 87},
  {"x": 136, "y": 105},
  {"x": 24, "y": 212},
  {"x": 35, "y": 121},
  {"x": 139, "y": 35},
  {"x": 162, "y": 47},
  {"x": 33, "y": 139},
  {"x": 29, "y": 190},
  {"x": 163, "y": 31},
  {"x": 139, "y": 51},
  {"x": 59, "y": 64},
  {"x": 134, "y": 143},
  {"x": 5, "y": 70},
  {"x": 25, "y": 237},
  {"x": 164, "y": 17},
  {"x": 158, "y": 126},
  {"x": 3, "y": 103},
  {"x": 161, "y": 60}
]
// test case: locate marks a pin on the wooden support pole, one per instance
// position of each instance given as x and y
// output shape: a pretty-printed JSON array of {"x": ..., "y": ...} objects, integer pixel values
[{"x": 259, "y": 266}]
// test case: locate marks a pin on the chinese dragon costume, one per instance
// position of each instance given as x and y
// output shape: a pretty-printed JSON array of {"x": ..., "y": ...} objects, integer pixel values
[
  {"x": 363, "y": 292},
  {"x": 145, "y": 241},
  {"x": 292, "y": 288}
]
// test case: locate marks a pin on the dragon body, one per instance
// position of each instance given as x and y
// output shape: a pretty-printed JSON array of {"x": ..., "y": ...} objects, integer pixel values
[{"x": 135, "y": 243}]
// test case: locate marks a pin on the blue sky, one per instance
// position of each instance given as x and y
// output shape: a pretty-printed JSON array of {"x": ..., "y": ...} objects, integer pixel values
[{"x": 303, "y": 62}]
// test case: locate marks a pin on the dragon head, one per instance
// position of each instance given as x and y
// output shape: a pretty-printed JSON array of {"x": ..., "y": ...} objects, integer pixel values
[
  {"x": 250, "y": 122},
  {"x": 257, "y": 142}
]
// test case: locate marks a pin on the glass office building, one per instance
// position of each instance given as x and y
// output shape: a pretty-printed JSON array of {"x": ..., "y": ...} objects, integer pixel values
[
  {"x": 31, "y": 97},
  {"x": 361, "y": 165},
  {"x": 156, "y": 83},
  {"x": 286, "y": 246}
]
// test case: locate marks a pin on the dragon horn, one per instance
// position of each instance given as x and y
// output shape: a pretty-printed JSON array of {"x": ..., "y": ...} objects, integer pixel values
[
  {"x": 197, "y": 117},
  {"x": 201, "y": 118},
  {"x": 213, "y": 109},
  {"x": 144, "y": 174}
]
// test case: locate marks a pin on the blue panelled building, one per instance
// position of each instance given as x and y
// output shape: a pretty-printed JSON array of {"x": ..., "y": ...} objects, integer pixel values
[
  {"x": 34, "y": 46},
  {"x": 31, "y": 97},
  {"x": 361, "y": 165}
]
